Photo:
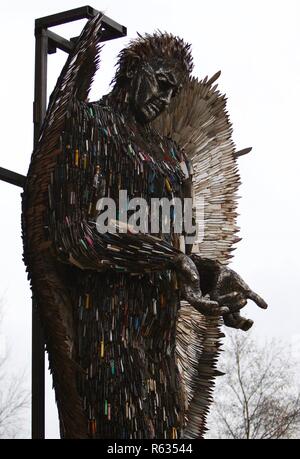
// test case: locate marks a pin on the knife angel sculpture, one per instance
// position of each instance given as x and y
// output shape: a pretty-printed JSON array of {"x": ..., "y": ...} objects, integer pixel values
[{"x": 132, "y": 316}]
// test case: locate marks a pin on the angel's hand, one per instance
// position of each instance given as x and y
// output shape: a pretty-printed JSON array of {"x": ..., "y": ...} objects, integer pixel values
[
  {"x": 190, "y": 288},
  {"x": 231, "y": 291}
]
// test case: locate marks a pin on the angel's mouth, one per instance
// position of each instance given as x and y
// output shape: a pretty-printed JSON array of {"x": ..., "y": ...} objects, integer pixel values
[
  {"x": 157, "y": 105},
  {"x": 153, "y": 108}
]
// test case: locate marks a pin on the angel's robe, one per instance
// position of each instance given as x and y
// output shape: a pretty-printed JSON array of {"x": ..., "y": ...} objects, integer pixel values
[{"x": 124, "y": 317}]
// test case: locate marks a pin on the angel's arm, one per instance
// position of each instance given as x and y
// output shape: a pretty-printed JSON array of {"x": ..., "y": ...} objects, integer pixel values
[{"x": 72, "y": 230}]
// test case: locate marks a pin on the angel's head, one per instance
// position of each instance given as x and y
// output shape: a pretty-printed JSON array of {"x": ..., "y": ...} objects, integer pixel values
[{"x": 150, "y": 72}]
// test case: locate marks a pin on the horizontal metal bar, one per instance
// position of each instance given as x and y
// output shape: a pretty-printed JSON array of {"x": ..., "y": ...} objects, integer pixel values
[
  {"x": 84, "y": 12},
  {"x": 110, "y": 28},
  {"x": 59, "y": 42},
  {"x": 12, "y": 177},
  {"x": 114, "y": 29}
]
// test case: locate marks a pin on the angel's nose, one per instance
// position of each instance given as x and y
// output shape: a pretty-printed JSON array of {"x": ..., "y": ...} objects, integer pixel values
[{"x": 166, "y": 96}]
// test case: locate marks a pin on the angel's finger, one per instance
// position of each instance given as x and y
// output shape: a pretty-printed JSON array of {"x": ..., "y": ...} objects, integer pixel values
[
  {"x": 257, "y": 299},
  {"x": 231, "y": 297},
  {"x": 211, "y": 308},
  {"x": 230, "y": 320},
  {"x": 237, "y": 321},
  {"x": 246, "y": 324},
  {"x": 236, "y": 307}
]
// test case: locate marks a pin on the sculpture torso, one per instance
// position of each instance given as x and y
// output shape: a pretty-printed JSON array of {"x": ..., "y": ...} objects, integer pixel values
[{"x": 125, "y": 323}]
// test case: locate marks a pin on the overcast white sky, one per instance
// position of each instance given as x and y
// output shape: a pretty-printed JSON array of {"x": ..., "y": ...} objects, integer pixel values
[{"x": 256, "y": 45}]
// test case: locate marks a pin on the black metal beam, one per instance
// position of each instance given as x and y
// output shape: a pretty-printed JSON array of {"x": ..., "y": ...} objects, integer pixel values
[
  {"x": 56, "y": 41},
  {"x": 38, "y": 376},
  {"x": 12, "y": 177},
  {"x": 109, "y": 31},
  {"x": 83, "y": 12},
  {"x": 110, "y": 28},
  {"x": 38, "y": 342}
]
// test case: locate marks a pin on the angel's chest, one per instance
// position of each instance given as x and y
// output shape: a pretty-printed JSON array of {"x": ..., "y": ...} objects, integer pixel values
[{"x": 143, "y": 163}]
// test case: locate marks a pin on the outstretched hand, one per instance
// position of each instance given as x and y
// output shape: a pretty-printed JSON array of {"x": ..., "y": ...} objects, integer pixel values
[
  {"x": 190, "y": 288},
  {"x": 231, "y": 291},
  {"x": 229, "y": 294}
]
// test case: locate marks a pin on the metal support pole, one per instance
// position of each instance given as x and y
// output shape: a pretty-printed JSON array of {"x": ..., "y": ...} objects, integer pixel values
[{"x": 38, "y": 343}]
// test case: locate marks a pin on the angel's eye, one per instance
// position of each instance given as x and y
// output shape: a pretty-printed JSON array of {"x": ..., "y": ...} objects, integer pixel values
[
  {"x": 175, "y": 92},
  {"x": 162, "y": 78},
  {"x": 163, "y": 82}
]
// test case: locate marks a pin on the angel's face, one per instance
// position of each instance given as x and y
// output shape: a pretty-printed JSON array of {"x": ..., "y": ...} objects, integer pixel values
[{"x": 153, "y": 85}]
